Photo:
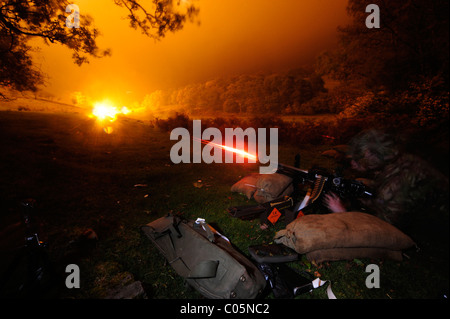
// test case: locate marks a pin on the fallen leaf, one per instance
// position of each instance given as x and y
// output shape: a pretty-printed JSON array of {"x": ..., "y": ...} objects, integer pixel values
[
  {"x": 198, "y": 185},
  {"x": 358, "y": 262}
]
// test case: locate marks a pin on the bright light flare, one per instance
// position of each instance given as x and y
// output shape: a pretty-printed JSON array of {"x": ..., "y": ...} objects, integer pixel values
[
  {"x": 105, "y": 111},
  {"x": 125, "y": 110},
  {"x": 232, "y": 149}
]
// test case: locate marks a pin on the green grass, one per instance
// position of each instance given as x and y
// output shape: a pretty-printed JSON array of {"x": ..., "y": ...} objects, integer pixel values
[{"x": 85, "y": 179}]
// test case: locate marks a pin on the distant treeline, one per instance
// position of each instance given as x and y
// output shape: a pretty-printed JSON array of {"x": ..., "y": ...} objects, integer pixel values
[{"x": 286, "y": 93}]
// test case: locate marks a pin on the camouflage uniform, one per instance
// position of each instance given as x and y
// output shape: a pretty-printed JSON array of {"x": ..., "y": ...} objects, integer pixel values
[{"x": 405, "y": 186}]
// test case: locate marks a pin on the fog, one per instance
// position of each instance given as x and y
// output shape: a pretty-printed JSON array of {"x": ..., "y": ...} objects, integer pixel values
[{"x": 229, "y": 37}]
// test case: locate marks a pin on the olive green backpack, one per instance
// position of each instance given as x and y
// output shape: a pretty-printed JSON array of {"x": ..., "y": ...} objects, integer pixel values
[{"x": 205, "y": 258}]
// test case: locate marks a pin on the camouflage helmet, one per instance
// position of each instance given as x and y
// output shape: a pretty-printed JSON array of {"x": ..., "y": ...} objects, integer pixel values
[{"x": 373, "y": 148}]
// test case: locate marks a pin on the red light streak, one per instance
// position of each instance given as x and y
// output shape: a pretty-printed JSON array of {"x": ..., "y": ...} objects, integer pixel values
[{"x": 231, "y": 149}]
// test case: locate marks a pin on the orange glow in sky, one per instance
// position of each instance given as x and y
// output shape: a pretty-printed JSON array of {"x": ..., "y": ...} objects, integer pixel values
[{"x": 230, "y": 37}]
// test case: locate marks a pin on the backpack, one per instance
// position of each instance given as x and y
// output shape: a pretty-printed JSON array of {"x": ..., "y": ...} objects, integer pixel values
[{"x": 205, "y": 258}]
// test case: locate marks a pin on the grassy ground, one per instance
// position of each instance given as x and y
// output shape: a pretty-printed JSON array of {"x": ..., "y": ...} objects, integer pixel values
[{"x": 85, "y": 179}]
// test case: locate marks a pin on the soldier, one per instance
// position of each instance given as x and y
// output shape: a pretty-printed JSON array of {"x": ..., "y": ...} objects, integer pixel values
[{"x": 405, "y": 186}]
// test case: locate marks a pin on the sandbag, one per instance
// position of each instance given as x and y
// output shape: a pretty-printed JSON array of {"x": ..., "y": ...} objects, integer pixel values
[
  {"x": 346, "y": 235},
  {"x": 272, "y": 186},
  {"x": 246, "y": 185},
  {"x": 334, "y": 254},
  {"x": 205, "y": 258},
  {"x": 264, "y": 187}
]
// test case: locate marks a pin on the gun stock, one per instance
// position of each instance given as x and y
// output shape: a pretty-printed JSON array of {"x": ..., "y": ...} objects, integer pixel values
[{"x": 325, "y": 181}]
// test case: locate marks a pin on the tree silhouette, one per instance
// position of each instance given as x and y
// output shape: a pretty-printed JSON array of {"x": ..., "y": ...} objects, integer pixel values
[
  {"x": 21, "y": 20},
  {"x": 163, "y": 16},
  {"x": 411, "y": 43}
]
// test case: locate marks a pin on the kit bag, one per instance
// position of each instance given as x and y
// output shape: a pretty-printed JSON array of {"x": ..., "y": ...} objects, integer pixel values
[{"x": 205, "y": 258}]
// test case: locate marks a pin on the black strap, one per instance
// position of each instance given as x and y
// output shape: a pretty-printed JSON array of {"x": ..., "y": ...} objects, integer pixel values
[{"x": 176, "y": 222}]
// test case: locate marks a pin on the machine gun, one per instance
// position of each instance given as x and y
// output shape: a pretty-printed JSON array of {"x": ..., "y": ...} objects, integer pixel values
[
  {"x": 325, "y": 181},
  {"x": 319, "y": 181}
]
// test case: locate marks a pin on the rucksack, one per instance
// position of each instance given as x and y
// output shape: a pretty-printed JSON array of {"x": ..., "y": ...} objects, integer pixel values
[{"x": 205, "y": 258}]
